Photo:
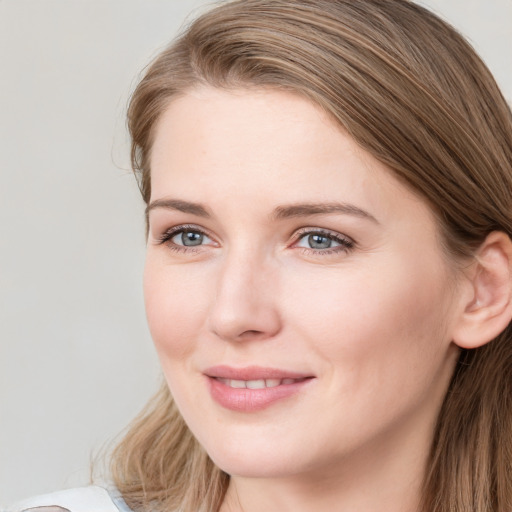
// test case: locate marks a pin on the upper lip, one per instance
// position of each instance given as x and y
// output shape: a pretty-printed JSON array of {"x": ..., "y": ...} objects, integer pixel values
[{"x": 252, "y": 373}]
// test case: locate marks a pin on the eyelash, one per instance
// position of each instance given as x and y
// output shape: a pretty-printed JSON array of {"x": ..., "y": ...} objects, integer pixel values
[
  {"x": 166, "y": 237},
  {"x": 346, "y": 244}
]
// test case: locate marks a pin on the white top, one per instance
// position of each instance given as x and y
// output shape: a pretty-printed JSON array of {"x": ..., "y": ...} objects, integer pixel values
[{"x": 84, "y": 499}]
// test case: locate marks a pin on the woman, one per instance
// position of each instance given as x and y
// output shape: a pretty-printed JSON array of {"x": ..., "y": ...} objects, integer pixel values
[{"x": 328, "y": 275}]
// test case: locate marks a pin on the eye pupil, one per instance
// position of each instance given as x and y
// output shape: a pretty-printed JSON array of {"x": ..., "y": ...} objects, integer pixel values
[
  {"x": 319, "y": 242},
  {"x": 190, "y": 238}
]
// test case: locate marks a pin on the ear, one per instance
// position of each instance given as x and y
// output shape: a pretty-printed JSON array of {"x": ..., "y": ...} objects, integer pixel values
[{"x": 488, "y": 301}]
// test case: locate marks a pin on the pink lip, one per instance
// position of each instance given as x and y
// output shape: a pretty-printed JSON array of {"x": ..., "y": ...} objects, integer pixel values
[
  {"x": 252, "y": 373},
  {"x": 250, "y": 400}
]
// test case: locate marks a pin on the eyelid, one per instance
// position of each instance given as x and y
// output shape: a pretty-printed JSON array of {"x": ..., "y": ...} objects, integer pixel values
[
  {"x": 346, "y": 242},
  {"x": 168, "y": 234},
  {"x": 322, "y": 231}
]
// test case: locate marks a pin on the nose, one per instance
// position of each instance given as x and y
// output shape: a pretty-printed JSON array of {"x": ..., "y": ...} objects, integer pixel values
[{"x": 245, "y": 306}]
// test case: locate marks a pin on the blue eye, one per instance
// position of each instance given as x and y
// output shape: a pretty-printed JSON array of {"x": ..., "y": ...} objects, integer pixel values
[
  {"x": 324, "y": 241},
  {"x": 188, "y": 238},
  {"x": 316, "y": 241},
  {"x": 184, "y": 237}
]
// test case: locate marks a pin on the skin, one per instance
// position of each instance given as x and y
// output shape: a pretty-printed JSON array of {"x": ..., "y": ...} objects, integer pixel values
[{"x": 371, "y": 317}]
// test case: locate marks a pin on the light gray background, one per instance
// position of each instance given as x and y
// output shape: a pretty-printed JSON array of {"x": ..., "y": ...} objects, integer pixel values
[{"x": 76, "y": 361}]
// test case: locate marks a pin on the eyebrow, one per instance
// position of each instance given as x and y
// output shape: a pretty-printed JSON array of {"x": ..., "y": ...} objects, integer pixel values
[
  {"x": 179, "y": 205},
  {"x": 304, "y": 210},
  {"x": 280, "y": 213}
]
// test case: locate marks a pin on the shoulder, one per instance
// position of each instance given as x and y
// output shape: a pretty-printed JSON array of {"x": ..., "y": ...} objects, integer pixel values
[{"x": 84, "y": 499}]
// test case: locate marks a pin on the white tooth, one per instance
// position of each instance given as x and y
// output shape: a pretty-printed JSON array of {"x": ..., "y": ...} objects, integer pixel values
[
  {"x": 288, "y": 381},
  {"x": 237, "y": 384},
  {"x": 255, "y": 384},
  {"x": 272, "y": 383}
]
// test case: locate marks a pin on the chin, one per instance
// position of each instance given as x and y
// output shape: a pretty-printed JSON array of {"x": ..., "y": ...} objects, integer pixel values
[
  {"x": 265, "y": 459},
  {"x": 253, "y": 467}
]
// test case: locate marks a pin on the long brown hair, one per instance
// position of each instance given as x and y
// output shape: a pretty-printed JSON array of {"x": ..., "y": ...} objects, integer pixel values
[{"x": 411, "y": 91}]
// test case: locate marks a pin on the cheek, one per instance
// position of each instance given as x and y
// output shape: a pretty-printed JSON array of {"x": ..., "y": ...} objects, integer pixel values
[
  {"x": 176, "y": 302},
  {"x": 383, "y": 321},
  {"x": 382, "y": 352}
]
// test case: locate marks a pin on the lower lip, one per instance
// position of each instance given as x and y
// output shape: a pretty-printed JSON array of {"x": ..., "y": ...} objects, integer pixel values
[{"x": 250, "y": 400}]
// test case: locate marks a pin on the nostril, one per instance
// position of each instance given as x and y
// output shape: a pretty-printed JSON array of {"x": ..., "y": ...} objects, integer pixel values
[{"x": 250, "y": 334}]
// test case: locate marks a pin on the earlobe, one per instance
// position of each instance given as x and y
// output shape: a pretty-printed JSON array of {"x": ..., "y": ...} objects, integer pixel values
[{"x": 488, "y": 305}]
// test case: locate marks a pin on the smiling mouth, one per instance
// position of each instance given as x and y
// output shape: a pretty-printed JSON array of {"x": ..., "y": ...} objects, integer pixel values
[
  {"x": 252, "y": 389},
  {"x": 258, "y": 384}
]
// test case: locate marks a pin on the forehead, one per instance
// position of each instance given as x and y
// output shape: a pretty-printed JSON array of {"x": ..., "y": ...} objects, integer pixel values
[
  {"x": 246, "y": 146},
  {"x": 245, "y": 118}
]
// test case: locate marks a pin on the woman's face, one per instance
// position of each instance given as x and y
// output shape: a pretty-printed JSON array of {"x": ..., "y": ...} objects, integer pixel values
[{"x": 296, "y": 292}]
